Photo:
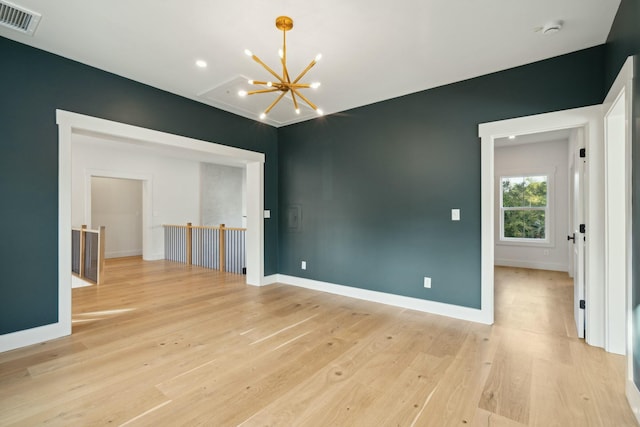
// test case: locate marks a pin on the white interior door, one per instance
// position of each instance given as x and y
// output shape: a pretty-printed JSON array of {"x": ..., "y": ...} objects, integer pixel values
[{"x": 578, "y": 240}]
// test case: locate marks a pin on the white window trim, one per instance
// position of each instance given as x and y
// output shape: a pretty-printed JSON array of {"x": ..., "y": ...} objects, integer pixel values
[{"x": 550, "y": 215}]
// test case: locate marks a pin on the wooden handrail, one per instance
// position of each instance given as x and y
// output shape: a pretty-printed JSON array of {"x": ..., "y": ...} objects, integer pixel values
[
  {"x": 85, "y": 229},
  {"x": 206, "y": 227}
]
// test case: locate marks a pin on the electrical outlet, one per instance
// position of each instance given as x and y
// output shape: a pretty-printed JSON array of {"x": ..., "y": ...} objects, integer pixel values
[
  {"x": 427, "y": 282},
  {"x": 303, "y": 265}
]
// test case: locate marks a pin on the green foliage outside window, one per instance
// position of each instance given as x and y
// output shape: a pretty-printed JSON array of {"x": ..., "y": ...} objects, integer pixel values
[{"x": 524, "y": 205}]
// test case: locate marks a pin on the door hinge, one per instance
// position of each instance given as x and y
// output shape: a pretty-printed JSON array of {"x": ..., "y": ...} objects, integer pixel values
[
  {"x": 582, "y": 304},
  {"x": 583, "y": 152},
  {"x": 583, "y": 228}
]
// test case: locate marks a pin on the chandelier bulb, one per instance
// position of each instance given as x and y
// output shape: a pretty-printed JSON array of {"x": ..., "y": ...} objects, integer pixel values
[
  {"x": 319, "y": 111},
  {"x": 269, "y": 84},
  {"x": 242, "y": 93},
  {"x": 318, "y": 57},
  {"x": 315, "y": 85},
  {"x": 248, "y": 52},
  {"x": 297, "y": 111},
  {"x": 262, "y": 116},
  {"x": 250, "y": 82},
  {"x": 280, "y": 53}
]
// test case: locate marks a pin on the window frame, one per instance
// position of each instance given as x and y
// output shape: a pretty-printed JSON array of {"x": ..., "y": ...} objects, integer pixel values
[{"x": 549, "y": 211}]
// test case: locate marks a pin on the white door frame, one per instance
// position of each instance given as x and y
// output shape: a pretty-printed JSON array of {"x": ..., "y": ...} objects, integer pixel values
[
  {"x": 617, "y": 150},
  {"x": 71, "y": 123},
  {"x": 624, "y": 85},
  {"x": 590, "y": 119}
]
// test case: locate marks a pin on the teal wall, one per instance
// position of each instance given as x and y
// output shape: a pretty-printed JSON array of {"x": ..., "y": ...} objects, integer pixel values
[
  {"x": 624, "y": 41},
  {"x": 35, "y": 84},
  {"x": 376, "y": 184}
]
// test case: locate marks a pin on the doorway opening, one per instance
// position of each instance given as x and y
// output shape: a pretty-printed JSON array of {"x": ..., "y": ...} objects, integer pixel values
[
  {"x": 533, "y": 217},
  {"x": 116, "y": 203},
  {"x": 71, "y": 124},
  {"x": 588, "y": 121}
]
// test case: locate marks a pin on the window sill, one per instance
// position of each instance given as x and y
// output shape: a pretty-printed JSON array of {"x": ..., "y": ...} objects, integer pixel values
[{"x": 528, "y": 243}]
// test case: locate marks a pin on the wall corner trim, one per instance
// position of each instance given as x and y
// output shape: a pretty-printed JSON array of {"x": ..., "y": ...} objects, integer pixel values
[{"x": 426, "y": 306}]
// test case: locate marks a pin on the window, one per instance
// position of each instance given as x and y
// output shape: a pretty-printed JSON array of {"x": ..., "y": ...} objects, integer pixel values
[{"x": 524, "y": 209}]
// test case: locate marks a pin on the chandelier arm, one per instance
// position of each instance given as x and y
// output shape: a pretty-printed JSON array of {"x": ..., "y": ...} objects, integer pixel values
[
  {"x": 266, "y": 67},
  {"x": 293, "y": 97},
  {"x": 311, "y": 64},
  {"x": 300, "y": 85},
  {"x": 259, "y": 83},
  {"x": 273, "y": 104},
  {"x": 311, "y": 104},
  {"x": 263, "y": 91}
]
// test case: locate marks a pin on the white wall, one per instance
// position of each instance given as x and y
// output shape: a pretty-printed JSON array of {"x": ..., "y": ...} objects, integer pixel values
[
  {"x": 117, "y": 204},
  {"x": 223, "y": 195},
  {"x": 171, "y": 186},
  {"x": 546, "y": 157}
]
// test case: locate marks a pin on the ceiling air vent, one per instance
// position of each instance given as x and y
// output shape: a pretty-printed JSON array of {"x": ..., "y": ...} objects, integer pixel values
[{"x": 18, "y": 18}]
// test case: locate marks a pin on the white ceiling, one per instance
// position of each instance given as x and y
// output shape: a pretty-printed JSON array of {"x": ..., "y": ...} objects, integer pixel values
[{"x": 372, "y": 49}]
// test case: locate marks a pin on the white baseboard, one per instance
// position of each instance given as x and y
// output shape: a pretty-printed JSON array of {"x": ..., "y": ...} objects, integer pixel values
[
  {"x": 536, "y": 265},
  {"x": 433, "y": 307},
  {"x": 633, "y": 397},
  {"x": 33, "y": 336},
  {"x": 153, "y": 257},
  {"x": 121, "y": 254}
]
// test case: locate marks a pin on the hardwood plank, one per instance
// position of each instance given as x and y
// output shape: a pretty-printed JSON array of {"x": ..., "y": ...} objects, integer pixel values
[
  {"x": 489, "y": 419},
  {"x": 162, "y": 342},
  {"x": 507, "y": 391}
]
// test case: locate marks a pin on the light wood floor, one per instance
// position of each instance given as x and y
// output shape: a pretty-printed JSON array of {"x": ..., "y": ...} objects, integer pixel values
[{"x": 164, "y": 344}]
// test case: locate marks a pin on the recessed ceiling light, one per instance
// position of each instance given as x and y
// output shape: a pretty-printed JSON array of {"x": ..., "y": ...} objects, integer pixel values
[
  {"x": 201, "y": 63},
  {"x": 512, "y": 137}
]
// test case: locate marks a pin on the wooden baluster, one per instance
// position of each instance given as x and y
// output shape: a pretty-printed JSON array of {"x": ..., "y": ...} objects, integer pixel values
[
  {"x": 82, "y": 246},
  {"x": 101, "y": 242},
  {"x": 221, "y": 246},
  {"x": 189, "y": 255}
]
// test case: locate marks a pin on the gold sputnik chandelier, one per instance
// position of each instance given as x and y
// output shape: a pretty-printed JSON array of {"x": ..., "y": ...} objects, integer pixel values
[{"x": 283, "y": 84}]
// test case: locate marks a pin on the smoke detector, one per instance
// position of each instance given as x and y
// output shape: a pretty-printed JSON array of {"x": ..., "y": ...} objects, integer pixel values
[{"x": 551, "y": 27}]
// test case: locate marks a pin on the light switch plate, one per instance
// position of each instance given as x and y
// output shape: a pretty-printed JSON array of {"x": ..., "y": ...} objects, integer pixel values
[
  {"x": 267, "y": 214},
  {"x": 455, "y": 214}
]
